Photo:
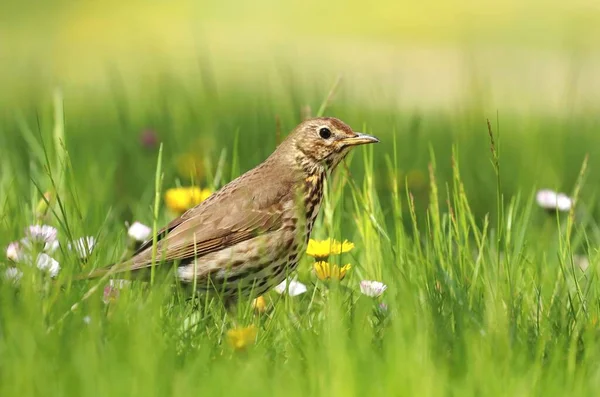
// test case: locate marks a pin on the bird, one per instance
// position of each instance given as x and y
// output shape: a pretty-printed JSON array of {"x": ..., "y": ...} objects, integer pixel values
[{"x": 248, "y": 236}]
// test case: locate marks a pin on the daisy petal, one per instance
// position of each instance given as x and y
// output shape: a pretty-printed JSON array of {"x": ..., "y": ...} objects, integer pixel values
[
  {"x": 49, "y": 248},
  {"x": 551, "y": 200},
  {"x": 41, "y": 233},
  {"x": 13, "y": 274},
  {"x": 295, "y": 288},
  {"x": 139, "y": 232},
  {"x": 83, "y": 246},
  {"x": 372, "y": 288},
  {"x": 46, "y": 263},
  {"x": 14, "y": 251},
  {"x": 563, "y": 202},
  {"x": 120, "y": 284}
]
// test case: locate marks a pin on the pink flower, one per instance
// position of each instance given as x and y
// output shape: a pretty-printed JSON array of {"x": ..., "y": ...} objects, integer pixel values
[
  {"x": 14, "y": 251},
  {"x": 112, "y": 290},
  {"x": 111, "y": 294},
  {"x": 149, "y": 139}
]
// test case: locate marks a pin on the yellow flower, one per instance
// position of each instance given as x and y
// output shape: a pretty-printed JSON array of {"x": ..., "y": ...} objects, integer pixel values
[
  {"x": 323, "y": 248},
  {"x": 183, "y": 198},
  {"x": 240, "y": 338},
  {"x": 260, "y": 304},
  {"x": 415, "y": 180},
  {"x": 190, "y": 165},
  {"x": 325, "y": 271},
  {"x": 43, "y": 205}
]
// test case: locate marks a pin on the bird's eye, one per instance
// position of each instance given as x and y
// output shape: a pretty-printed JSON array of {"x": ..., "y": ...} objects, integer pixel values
[{"x": 325, "y": 133}]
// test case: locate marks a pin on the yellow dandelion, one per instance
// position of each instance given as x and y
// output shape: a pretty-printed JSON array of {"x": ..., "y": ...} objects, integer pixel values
[
  {"x": 183, "y": 198},
  {"x": 260, "y": 304},
  {"x": 416, "y": 180},
  {"x": 44, "y": 204},
  {"x": 325, "y": 271},
  {"x": 190, "y": 165},
  {"x": 241, "y": 338},
  {"x": 321, "y": 249}
]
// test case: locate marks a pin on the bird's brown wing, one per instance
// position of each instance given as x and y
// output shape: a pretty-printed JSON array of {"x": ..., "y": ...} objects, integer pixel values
[
  {"x": 242, "y": 209},
  {"x": 201, "y": 235}
]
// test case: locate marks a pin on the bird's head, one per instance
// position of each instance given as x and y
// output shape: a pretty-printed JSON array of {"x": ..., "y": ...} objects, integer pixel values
[{"x": 325, "y": 141}]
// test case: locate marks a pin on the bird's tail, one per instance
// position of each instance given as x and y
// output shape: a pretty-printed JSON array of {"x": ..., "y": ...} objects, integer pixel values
[{"x": 95, "y": 273}]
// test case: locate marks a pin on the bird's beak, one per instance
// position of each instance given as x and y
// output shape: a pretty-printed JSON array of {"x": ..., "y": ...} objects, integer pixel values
[{"x": 359, "y": 139}]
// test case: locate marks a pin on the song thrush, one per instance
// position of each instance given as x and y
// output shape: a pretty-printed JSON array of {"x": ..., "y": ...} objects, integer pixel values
[{"x": 249, "y": 234}]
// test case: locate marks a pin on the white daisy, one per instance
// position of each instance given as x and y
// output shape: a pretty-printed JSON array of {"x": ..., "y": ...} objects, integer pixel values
[
  {"x": 41, "y": 234},
  {"x": 119, "y": 283},
  {"x": 51, "y": 247},
  {"x": 14, "y": 251},
  {"x": 294, "y": 288},
  {"x": 83, "y": 246},
  {"x": 139, "y": 232},
  {"x": 551, "y": 200},
  {"x": 47, "y": 263},
  {"x": 372, "y": 288},
  {"x": 13, "y": 274},
  {"x": 581, "y": 261}
]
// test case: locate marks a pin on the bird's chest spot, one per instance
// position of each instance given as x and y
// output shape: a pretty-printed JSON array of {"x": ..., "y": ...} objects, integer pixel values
[{"x": 313, "y": 190}]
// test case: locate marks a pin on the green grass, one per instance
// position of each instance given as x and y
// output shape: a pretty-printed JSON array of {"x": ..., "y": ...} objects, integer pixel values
[{"x": 484, "y": 295}]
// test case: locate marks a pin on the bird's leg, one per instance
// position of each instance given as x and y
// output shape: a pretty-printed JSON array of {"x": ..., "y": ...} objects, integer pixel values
[{"x": 230, "y": 303}]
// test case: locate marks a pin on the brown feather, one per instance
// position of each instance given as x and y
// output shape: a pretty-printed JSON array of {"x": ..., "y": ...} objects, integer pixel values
[{"x": 246, "y": 207}]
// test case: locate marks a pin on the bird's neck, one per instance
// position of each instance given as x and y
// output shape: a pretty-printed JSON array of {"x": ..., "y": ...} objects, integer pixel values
[
  {"x": 309, "y": 174},
  {"x": 313, "y": 178},
  {"x": 307, "y": 164}
]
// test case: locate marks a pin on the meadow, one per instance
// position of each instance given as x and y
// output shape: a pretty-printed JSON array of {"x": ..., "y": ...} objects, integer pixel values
[{"x": 487, "y": 291}]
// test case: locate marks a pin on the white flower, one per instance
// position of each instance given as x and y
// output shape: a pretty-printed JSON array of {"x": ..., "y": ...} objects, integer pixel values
[
  {"x": 83, "y": 246},
  {"x": 551, "y": 200},
  {"x": 139, "y": 232},
  {"x": 581, "y": 261},
  {"x": 14, "y": 251},
  {"x": 21, "y": 251},
  {"x": 13, "y": 274},
  {"x": 41, "y": 234},
  {"x": 46, "y": 263},
  {"x": 87, "y": 319},
  {"x": 51, "y": 247},
  {"x": 120, "y": 284},
  {"x": 295, "y": 288},
  {"x": 372, "y": 288}
]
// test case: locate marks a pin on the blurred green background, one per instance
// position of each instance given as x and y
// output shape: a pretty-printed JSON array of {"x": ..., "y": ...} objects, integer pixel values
[
  {"x": 196, "y": 75},
  {"x": 522, "y": 55}
]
